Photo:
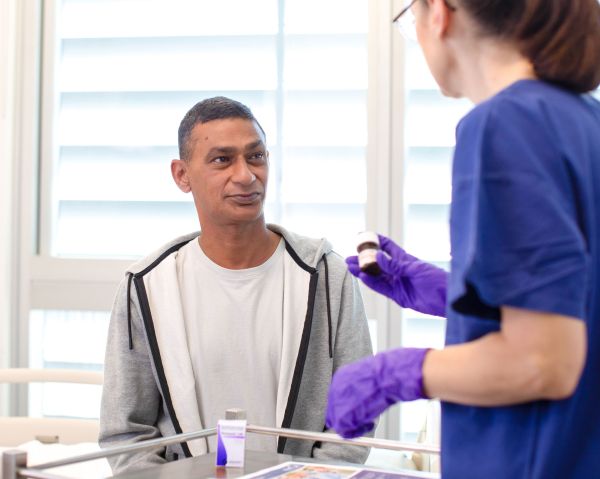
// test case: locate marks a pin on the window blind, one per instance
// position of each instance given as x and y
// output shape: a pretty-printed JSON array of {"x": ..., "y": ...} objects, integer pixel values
[
  {"x": 128, "y": 70},
  {"x": 431, "y": 120},
  {"x": 125, "y": 73}
]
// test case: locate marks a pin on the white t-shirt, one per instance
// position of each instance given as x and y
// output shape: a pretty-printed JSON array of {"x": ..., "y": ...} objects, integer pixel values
[{"x": 233, "y": 320}]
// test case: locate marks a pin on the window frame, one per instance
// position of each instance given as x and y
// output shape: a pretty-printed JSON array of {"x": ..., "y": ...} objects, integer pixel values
[{"x": 45, "y": 282}]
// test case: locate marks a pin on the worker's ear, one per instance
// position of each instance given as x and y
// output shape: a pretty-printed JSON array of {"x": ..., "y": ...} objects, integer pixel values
[
  {"x": 180, "y": 176},
  {"x": 439, "y": 17}
]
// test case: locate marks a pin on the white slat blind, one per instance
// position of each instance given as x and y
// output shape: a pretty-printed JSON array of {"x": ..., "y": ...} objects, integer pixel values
[
  {"x": 431, "y": 120},
  {"x": 324, "y": 126},
  {"x": 128, "y": 71},
  {"x": 125, "y": 73}
]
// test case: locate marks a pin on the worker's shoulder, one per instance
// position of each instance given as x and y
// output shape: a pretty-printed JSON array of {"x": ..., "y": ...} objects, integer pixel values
[{"x": 534, "y": 102}]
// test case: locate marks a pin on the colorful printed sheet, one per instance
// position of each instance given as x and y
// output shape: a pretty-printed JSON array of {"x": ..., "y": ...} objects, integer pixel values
[{"x": 299, "y": 470}]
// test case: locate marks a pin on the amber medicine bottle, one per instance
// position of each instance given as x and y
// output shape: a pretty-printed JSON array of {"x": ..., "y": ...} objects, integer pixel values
[{"x": 367, "y": 246}]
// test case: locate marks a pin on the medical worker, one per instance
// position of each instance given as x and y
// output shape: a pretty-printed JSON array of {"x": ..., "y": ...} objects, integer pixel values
[{"x": 519, "y": 378}]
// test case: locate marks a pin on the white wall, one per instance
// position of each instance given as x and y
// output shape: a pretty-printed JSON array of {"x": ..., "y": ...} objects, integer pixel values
[{"x": 7, "y": 64}]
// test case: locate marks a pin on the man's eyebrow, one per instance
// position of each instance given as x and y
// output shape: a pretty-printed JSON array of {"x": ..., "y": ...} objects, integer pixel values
[
  {"x": 230, "y": 150},
  {"x": 254, "y": 144},
  {"x": 223, "y": 150}
]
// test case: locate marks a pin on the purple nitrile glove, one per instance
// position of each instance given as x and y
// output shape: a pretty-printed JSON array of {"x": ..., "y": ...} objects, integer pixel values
[
  {"x": 361, "y": 391},
  {"x": 410, "y": 282}
]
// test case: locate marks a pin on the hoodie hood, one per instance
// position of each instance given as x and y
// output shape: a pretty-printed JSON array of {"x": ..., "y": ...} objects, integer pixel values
[
  {"x": 309, "y": 250},
  {"x": 326, "y": 328}
]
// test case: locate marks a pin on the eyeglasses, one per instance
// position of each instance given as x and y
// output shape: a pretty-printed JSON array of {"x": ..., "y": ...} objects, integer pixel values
[{"x": 406, "y": 23}]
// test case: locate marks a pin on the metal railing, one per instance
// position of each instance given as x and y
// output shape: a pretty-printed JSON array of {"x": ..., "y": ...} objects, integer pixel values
[
  {"x": 14, "y": 462},
  {"x": 361, "y": 441}
]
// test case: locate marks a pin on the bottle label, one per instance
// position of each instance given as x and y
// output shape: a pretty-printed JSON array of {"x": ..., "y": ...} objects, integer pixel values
[{"x": 367, "y": 256}]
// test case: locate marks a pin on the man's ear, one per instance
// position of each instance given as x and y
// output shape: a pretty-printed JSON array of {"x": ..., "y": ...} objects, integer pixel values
[
  {"x": 179, "y": 173},
  {"x": 439, "y": 15}
]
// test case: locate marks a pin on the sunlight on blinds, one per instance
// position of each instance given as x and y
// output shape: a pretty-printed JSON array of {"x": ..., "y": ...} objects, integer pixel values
[
  {"x": 128, "y": 70},
  {"x": 431, "y": 120}
]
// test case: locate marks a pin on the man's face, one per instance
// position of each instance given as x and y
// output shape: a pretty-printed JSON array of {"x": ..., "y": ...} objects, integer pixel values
[{"x": 227, "y": 171}]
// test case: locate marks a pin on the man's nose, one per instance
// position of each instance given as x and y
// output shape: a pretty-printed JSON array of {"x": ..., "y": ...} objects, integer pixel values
[{"x": 242, "y": 173}]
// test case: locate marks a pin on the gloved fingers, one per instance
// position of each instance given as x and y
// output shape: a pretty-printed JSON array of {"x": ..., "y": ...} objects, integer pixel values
[
  {"x": 378, "y": 283},
  {"x": 402, "y": 375},
  {"x": 396, "y": 251},
  {"x": 349, "y": 423},
  {"x": 348, "y": 397},
  {"x": 386, "y": 263},
  {"x": 349, "y": 415},
  {"x": 351, "y": 433},
  {"x": 352, "y": 262},
  {"x": 391, "y": 248},
  {"x": 354, "y": 415},
  {"x": 329, "y": 422},
  {"x": 355, "y": 398},
  {"x": 362, "y": 390}
]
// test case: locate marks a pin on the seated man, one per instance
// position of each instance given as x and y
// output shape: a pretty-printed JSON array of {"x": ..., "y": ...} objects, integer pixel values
[{"x": 243, "y": 315}]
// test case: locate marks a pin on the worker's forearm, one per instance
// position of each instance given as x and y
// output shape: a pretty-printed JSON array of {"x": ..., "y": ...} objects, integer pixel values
[{"x": 485, "y": 372}]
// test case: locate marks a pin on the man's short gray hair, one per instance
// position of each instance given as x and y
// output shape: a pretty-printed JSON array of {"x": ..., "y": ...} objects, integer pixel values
[{"x": 216, "y": 108}]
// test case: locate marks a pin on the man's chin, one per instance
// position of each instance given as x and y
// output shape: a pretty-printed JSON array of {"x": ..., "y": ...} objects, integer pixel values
[{"x": 246, "y": 214}]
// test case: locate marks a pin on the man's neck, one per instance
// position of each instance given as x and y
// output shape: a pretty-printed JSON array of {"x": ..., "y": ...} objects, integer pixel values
[{"x": 238, "y": 246}]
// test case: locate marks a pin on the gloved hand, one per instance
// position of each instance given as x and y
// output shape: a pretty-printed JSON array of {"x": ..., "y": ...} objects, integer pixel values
[
  {"x": 410, "y": 282},
  {"x": 361, "y": 391}
]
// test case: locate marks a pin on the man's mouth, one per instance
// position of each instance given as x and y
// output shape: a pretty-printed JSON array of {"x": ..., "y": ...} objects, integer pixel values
[{"x": 246, "y": 198}]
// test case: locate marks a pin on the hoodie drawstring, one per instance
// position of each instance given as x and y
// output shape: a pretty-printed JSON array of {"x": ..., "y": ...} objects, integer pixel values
[
  {"x": 328, "y": 305},
  {"x": 129, "y": 279}
]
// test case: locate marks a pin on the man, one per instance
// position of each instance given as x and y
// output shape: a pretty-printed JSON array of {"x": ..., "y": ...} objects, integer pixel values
[{"x": 241, "y": 315}]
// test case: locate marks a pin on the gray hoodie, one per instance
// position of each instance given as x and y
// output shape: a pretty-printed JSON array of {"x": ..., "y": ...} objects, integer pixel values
[{"x": 147, "y": 377}]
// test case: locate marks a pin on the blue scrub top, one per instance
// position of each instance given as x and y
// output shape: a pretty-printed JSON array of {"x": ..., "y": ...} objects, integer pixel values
[{"x": 525, "y": 227}]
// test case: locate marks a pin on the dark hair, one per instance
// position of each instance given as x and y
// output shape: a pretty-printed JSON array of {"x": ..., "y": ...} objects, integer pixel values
[
  {"x": 560, "y": 37},
  {"x": 217, "y": 108}
]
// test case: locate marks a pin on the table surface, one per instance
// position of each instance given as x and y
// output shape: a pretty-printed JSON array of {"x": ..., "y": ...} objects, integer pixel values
[{"x": 204, "y": 467}]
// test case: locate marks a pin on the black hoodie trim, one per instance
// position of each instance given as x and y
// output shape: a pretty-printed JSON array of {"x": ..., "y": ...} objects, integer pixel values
[
  {"x": 312, "y": 270},
  {"x": 297, "y": 259},
  {"x": 328, "y": 306},
  {"x": 304, "y": 342},
  {"x": 138, "y": 281},
  {"x": 142, "y": 273},
  {"x": 140, "y": 287},
  {"x": 302, "y": 353},
  {"x": 163, "y": 255},
  {"x": 129, "y": 279},
  {"x": 299, "y": 368}
]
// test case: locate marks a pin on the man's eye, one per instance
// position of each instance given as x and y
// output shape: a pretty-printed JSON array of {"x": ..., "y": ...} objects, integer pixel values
[
  {"x": 220, "y": 160},
  {"x": 259, "y": 155}
]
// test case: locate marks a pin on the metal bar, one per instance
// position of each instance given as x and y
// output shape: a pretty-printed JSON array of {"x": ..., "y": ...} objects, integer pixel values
[
  {"x": 29, "y": 375},
  {"x": 363, "y": 441},
  {"x": 35, "y": 474},
  {"x": 12, "y": 460},
  {"x": 140, "y": 446},
  {"x": 269, "y": 431}
]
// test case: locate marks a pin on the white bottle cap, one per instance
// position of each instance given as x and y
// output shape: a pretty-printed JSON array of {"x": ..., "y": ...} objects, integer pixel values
[{"x": 367, "y": 237}]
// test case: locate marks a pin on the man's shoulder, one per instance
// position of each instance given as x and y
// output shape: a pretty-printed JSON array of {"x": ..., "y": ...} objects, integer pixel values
[
  {"x": 154, "y": 258},
  {"x": 308, "y": 250}
]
